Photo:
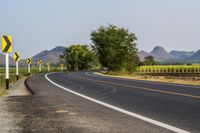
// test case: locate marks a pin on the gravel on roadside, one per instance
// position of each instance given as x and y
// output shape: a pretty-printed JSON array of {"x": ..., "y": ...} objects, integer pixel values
[{"x": 7, "y": 119}]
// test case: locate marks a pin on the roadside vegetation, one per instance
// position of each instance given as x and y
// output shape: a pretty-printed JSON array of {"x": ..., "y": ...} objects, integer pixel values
[
  {"x": 23, "y": 72},
  {"x": 195, "y": 80},
  {"x": 79, "y": 57},
  {"x": 170, "y": 70},
  {"x": 113, "y": 49}
]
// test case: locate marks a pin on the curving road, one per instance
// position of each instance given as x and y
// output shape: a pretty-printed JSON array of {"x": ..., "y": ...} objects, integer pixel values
[
  {"x": 171, "y": 104},
  {"x": 88, "y": 103}
]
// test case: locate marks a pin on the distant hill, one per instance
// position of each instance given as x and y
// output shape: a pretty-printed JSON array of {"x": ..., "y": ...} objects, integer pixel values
[
  {"x": 158, "y": 52},
  {"x": 181, "y": 54},
  {"x": 2, "y": 59},
  {"x": 195, "y": 57},
  {"x": 161, "y": 55},
  {"x": 142, "y": 54},
  {"x": 51, "y": 55}
]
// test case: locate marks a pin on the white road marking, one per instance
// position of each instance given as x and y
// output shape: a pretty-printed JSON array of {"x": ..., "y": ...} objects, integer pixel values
[
  {"x": 166, "y": 126},
  {"x": 142, "y": 81}
]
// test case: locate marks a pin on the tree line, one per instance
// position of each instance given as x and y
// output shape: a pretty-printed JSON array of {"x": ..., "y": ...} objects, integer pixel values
[{"x": 113, "y": 48}]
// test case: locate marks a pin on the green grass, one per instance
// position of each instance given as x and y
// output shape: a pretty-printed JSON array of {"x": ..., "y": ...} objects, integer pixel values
[{"x": 23, "y": 72}]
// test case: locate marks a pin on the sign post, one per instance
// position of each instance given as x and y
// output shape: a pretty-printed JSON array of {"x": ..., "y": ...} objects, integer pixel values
[
  {"x": 29, "y": 61},
  {"x": 62, "y": 66},
  {"x": 17, "y": 59},
  {"x": 7, "y": 48},
  {"x": 40, "y": 65},
  {"x": 48, "y": 66},
  {"x": 7, "y": 70},
  {"x": 29, "y": 69}
]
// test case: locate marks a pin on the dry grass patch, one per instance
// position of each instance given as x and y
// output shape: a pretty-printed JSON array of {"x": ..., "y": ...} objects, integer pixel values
[{"x": 167, "y": 79}]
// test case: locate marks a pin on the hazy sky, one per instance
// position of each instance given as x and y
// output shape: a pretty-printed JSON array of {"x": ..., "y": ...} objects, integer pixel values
[{"x": 37, "y": 25}]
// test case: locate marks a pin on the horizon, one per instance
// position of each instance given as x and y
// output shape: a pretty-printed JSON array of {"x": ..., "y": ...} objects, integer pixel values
[
  {"x": 139, "y": 50},
  {"x": 172, "y": 24}
]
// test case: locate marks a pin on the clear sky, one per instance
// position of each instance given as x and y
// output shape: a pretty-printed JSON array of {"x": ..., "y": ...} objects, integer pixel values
[{"x": 38, "y": 25}]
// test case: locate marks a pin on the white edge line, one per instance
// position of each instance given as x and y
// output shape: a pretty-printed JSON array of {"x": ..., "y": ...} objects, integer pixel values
[
  {"x": 166, "y": 126},
  {"x": 147, "y": 81}
]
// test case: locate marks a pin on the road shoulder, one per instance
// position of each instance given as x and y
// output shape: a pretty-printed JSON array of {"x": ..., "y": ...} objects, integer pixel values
[
  {"x": 156, "y": 79},
  {"x": 8, "y": 119}
]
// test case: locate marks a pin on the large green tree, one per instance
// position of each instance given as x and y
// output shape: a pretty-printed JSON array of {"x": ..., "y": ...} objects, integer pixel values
[
  {"x": 149, "y": 60},
  {"x": 115, "y": 48},
  {"x": 79, "y": 57}
]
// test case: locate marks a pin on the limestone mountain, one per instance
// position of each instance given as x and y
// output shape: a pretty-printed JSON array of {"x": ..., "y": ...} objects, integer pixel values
[{"x": 160, "y": 54}]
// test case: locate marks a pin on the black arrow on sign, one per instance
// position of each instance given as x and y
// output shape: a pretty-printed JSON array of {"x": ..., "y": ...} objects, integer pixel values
[
  {"x": 28, "y": 60},
  {"x": 17, "y": 56},
  {"x": 8, "y": 43}
]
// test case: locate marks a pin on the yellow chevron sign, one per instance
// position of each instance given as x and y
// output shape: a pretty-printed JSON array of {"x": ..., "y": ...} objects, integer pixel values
[
  {"x": 16, "y": 56},
  {"x": 40, "y": 62},
  {"x": 61, "y": 65},
  {"x": 29, "y": 61},
  {"x": 6, "y": 44}
]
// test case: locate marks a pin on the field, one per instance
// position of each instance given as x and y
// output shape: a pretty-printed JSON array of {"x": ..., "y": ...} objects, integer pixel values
[
  {"x": 23, "y": 72},
  {"x": 171, "y": 70},
  {"x": 181, "y": 74}
]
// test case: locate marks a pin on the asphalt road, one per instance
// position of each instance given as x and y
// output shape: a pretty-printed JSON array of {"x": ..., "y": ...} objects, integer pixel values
[
  {"x": 176, "y": 105},
  {"x": 82, "y": 102},
  {"x": 54, "y": 110}
]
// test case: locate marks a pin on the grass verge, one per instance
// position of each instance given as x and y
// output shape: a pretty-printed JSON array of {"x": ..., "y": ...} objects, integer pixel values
[
  {"x": 167, "y": 79},
  {"x": 22, "y": 73}
]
